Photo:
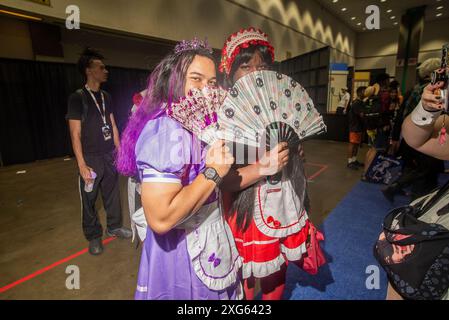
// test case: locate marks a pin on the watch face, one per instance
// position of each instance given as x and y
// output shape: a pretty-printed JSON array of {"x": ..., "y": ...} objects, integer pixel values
[{"x": 209, "y": 173}]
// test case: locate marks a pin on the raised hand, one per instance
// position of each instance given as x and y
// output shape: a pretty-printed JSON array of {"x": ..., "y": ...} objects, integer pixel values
[
  {"x": 219, "y": 157},
  {"x": 431, "y": 98},
  {"x": 275, "y": 160}
]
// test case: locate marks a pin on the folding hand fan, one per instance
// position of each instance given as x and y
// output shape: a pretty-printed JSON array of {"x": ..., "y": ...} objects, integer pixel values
[
  {"x": 271, "y": 104},
  {"x": 197, "y": 112}
]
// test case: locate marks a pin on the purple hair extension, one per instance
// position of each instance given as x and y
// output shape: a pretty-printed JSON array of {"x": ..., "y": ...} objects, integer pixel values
[{"x": 165, "y": 85}]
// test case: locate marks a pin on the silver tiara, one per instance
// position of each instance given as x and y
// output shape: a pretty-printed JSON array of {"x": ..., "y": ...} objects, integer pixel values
[{"x": 194, "y": 44}]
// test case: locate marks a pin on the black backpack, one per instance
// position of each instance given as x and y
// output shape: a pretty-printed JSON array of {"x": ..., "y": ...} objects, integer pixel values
[{"x": 373, "y": 113}]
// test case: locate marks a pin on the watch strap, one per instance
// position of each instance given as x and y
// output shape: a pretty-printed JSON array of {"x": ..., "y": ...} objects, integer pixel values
[{"x": 215, "y": 177}]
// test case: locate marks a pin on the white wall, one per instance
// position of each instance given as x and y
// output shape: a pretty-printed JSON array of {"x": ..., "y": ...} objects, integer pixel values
[
  {"x": 294, "y": 26},
  {"x": 378, "y": 49},
  {"x": 309, "y": 27},
  {"x": 436, "y": 33}
]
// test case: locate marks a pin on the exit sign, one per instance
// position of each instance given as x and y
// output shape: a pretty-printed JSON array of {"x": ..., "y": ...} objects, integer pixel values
[{"x": 44, "y": 2}]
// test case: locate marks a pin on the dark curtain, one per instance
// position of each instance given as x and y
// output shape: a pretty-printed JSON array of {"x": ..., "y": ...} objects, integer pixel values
[
  {"x": 33, "y": 97},
  {"x": 122, "y": 85}
]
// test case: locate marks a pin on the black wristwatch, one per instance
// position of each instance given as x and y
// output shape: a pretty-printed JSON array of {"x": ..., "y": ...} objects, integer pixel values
[{"x": 211, "y": 174}]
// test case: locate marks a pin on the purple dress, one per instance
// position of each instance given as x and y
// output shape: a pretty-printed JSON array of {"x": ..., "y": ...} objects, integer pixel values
[{"x": 196, "y": 260}]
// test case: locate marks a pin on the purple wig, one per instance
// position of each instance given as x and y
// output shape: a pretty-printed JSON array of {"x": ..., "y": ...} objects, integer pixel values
[{"x": 165, "y": 85}]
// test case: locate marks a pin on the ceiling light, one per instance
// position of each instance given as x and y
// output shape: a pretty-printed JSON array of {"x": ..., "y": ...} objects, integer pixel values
[
  {"x": 393, "y": 17},
  {"x": 440, "y": 7},
  {"x": 343, "y": 9},
  {"x": 352, "y": 18},
  {"x": 334, "y": 1},
  {"x": 383, "y": 0},
  {"x": 359, "y": 24},
  {"x": 439, "y": 14},
  {"x": 389, "y": 10},
  {"x": 395, "y": 23}
]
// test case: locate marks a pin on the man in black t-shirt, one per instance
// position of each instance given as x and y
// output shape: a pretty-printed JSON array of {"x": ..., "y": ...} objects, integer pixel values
[{"x": 94, "y": 137}]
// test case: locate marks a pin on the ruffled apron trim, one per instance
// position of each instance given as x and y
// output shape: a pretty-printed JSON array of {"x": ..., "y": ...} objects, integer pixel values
[
  {"x": 212, "y": 249},
  {"x": 262, "y": 269},
  {"x": 294, "y": 254},
  {"x": 265, "y": 225},
  {"x": 218, "y": 283},
  {"x": 278, "y": 212}
]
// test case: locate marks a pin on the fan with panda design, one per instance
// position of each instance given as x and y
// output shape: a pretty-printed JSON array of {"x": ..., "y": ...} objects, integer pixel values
[{"x": 270, "y": 104}]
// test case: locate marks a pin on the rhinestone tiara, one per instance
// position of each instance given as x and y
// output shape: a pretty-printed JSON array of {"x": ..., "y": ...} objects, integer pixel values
[{"x": 194, "y": 44}]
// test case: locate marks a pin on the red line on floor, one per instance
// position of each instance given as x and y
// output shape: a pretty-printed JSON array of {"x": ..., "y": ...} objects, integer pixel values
[
  {"x": 106, "y": 241},
  {"x": 41, "y": 271},
  {"x": 315, "y": 164},
  {"x": 320, "y": 171}
]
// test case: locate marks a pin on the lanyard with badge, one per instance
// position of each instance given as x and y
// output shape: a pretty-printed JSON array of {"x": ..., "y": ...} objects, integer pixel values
[{"x": 105, "y": 129}]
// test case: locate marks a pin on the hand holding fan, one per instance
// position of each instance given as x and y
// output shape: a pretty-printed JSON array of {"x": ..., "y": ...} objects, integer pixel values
[
  {"x": 271, "y": 104},
  {"x": 197, "y": 112}
]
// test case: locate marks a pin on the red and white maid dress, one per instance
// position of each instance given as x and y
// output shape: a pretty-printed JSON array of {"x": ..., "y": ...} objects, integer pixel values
[{"x": 278, "y": 231}]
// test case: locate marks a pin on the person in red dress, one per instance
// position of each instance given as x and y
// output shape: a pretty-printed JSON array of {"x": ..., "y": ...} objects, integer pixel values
[{"x": 269, "y": 221}]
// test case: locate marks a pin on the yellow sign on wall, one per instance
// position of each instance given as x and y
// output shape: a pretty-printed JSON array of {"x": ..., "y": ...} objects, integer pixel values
[
  {"x": 44, "y": 2},
  {"x": 362, "y": 76},
  {"x": 361, "y": 79}
]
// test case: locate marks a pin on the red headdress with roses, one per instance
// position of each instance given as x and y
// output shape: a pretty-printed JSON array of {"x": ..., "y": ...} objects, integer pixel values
[{"x": 242, "y": 39}]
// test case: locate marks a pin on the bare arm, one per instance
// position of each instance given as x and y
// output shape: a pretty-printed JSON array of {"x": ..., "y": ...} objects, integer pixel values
[
  {"x": 425, "y": 138},
  {"x": 75, "y": 135},
  {"x": 271, "y": 163},
  {"x": 347, "y": 98},
  {"x": 165, "y": 204},
  {"x": 115, "y": 132},
  {"x": 242, "y": 178}
]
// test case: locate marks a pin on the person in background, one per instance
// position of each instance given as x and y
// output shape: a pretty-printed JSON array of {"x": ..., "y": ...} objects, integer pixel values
[
  {"x": 372, "y": 122},
  {"x": 396, "y": 85},
  {"x": 345, "y": 99},
  {"x": 420, "y": 170},
  {"x": 95, "y": 138},
  {"x": 383, "y": 84},
  {"x": 392, "y": 112},
  {"x": 355, "y": 128},
  {"x": 378, "y": 118},
  {"x": 395, "y": 101}
]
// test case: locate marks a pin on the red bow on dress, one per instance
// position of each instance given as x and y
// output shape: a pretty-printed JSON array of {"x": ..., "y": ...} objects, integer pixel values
[{"x": 275, "y": 223}]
